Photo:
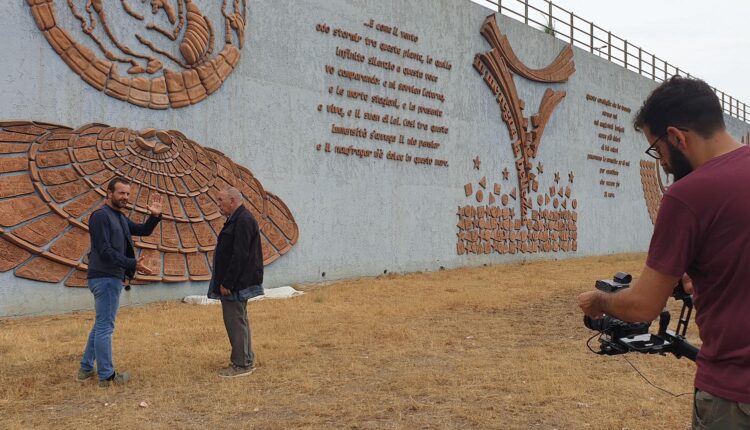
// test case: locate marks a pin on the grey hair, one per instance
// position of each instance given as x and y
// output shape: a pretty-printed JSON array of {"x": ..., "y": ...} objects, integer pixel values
[{"x": 233, "y": 193}]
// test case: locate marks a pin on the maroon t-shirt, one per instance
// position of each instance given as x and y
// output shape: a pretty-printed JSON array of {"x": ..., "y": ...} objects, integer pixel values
[{"x": 703, "y": 228}]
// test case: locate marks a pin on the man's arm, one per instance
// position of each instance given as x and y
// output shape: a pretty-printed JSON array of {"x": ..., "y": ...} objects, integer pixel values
[
  {"x": 101, "y": 241},
  {"x": 643, "y": 301},
  {"x": 243, "y": 232},
  {"x": 148, "y": 227},
  {"x": 144, "y": 229}
]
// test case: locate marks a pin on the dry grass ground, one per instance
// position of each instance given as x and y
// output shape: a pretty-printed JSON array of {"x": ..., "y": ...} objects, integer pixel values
[{"x": 499, "y": 347}]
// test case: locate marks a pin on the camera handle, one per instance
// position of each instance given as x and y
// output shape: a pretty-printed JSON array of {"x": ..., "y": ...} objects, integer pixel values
[
  {"x": 683, "y": 348},
  {"x": 687, "y": 310},
  {"x": 664, "y": 318},
  {"x": 680, "y": 346},
  {"x": 679, "y": 293}
]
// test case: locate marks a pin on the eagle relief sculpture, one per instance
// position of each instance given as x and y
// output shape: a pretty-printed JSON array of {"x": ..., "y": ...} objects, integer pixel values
[
  {"x": 52, "y": 177},
  {"x": 151, "y": 53}
]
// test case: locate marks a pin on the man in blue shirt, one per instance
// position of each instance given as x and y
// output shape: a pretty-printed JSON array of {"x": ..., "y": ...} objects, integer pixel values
[{"x": 111, "y": 260}]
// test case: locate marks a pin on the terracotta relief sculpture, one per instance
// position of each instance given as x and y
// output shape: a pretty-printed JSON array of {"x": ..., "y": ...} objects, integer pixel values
[
  {"x": 655, "y": 183},
  {"x": 178, "y": 33},
  {"x": 546, "y": 223},
  {"x": 495, "y": 227},
  {"x": 525, "y": 133},
  {"x": 53, "y": 177}
]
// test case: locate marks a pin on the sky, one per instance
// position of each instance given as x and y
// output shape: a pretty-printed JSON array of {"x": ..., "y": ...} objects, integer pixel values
[{"x": 708, "y": 39}]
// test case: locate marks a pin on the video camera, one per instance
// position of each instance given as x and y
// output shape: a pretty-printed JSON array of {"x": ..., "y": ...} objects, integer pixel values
[{"x": 620, "y": 337}]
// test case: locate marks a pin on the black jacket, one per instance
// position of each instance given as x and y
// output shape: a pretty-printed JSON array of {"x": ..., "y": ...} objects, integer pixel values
[
  {"x": 112, "y": 253},
  {"x": 238, "y": 259}
]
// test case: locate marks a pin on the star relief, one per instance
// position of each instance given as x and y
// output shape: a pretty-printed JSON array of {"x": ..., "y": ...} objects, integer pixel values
[
  {"x": 570, "y": 176},
  {"x": 557, "y": 177},
  {"x": 477, "y": 162},
  {"x": 506, "y": 174},
  {"x": 540, "y": 168}
]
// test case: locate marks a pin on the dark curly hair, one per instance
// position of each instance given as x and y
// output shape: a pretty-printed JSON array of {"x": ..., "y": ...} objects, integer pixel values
[{"x": 681, "y": 102}]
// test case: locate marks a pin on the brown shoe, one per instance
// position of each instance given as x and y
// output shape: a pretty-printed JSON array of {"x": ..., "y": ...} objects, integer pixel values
[{"x": 236, "y": 371}]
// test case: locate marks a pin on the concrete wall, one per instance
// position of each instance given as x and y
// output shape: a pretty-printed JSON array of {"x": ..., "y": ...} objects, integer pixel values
[{"x": 357, "y": 217}]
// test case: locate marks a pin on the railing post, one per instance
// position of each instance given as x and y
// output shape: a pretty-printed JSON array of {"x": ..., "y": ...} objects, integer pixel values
[
  {"x": 653, "y": 67},
  {"x": 526, "y": 12},
  {"x": 572, "y": 28},
  {"x": 640, "y": 61},
  {"x": 591, "y": 35},
  {"x": 549, "y": 5},
  {"x": 626, "y": 54},
  {"x": 609, "y": 45},
  {"x": 500, "y": 6},
  {"x": 731, "y": 105}
]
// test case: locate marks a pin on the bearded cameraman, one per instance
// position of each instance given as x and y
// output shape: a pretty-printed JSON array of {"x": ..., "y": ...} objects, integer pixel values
[{"x": 702, "y": 229}]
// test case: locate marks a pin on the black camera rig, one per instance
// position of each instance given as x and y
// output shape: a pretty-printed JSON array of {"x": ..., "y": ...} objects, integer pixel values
[{"x": 619, "y": 337}]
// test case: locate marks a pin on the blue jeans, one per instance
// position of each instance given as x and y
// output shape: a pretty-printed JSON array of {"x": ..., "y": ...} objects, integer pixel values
[{"x": 99, "y": 346}]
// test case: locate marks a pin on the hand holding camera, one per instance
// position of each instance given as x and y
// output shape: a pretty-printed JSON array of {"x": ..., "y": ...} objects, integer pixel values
[{"x": 620, "y": 337}]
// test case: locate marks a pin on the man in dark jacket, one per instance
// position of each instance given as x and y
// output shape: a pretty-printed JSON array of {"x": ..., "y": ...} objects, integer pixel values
[
  {"x": 237, "y": 277},
  {"x": 111, "y": 260}
]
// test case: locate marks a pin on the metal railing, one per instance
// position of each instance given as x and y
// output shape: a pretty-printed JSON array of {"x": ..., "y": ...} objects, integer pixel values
[{"x": 586, "y": 35}]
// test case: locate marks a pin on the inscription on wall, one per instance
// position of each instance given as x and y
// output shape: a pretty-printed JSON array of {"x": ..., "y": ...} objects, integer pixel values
[
  {"x": 385, "y": 96},
  {"x": 609, "y": 131}
]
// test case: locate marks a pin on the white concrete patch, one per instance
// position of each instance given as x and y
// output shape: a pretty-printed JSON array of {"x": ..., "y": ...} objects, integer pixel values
[
  {"x": 268, "y": 293},
  {"x": 199, "y": 300}
]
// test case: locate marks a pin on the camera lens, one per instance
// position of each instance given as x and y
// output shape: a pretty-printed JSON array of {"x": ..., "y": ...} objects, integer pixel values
[{"x": 602, "y": 324}]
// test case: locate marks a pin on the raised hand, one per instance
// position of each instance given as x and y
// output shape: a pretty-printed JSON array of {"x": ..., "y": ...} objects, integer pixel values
[
  {"x": 142, "y": 268},
  {"x": 155, "y": 207}
]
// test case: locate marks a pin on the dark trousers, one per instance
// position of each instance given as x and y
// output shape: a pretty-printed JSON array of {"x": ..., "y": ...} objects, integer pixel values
[
  {"x": 238, "y": 330},
  {"x": 714, "y": 413}
]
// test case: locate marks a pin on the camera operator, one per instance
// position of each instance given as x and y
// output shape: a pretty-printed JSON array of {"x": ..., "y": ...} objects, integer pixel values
[{"x": 703, "y": 230}]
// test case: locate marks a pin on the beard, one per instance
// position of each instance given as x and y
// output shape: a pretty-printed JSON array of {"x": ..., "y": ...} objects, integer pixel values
[
  {"x": 679, "y": 164},
  {"x": 119, "y": 204}
]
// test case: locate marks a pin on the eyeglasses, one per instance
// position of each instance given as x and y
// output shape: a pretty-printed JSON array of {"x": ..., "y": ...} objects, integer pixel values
[{"x": 652, "y": 151}]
